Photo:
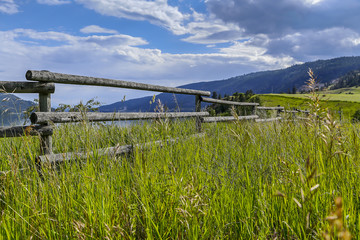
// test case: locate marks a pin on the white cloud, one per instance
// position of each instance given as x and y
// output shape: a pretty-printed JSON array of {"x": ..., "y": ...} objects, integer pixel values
[
  {"x": 286, "y": 16},
  {"x": 313, "y": 2},
  {"x": 202, "y": 28},
  {"x": 311, "y": 45},
  {"x": 211, "y": 31},
  {"x": 157, "y": 12},
  {"x": 121, "y": 57},
  {"x": 256, "y": 54},
  {"x": 39, "y": 38},
  {"x": 97, "y": 29},
  {"x": 53, "y": 2},
  {"x": 8, "y": 7}
]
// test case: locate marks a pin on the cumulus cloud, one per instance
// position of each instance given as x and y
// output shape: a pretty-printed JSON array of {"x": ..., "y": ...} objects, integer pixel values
[
  {"x": 301, "y": 30},
  {"x": 8, "y": 7},
  {"x": 201, "y": 28},
  {"x": 120, "y": 57},
  {"x": 260, "y": 36},
  {"x": 207, "y": 30},
  {"x": 234, "y": 20},
  {"x": 38, "y": 38},
  {"x": 312, "y": 44},
  {"x": 53, "y": 2},
  {"x": 157, "y": 12},
  {"x": 285, "y": 16},
  {"x": 97, "y": 29},
  {"x": 260, "y": 16}
]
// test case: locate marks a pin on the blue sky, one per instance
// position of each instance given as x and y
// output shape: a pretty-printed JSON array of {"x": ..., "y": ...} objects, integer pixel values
[{"x": 168, "y": 42}]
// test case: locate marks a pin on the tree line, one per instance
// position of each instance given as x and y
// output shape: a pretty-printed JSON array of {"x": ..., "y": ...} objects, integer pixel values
[{"x": 226, "y": 110}]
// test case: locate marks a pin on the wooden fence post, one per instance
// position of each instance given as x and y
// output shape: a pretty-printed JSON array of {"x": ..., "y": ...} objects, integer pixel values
[
  {"x": 46, "y": 140},
  {"x": 254, "y": 110},
  {"x": 198, "y": 109},
  {"x": 340, "y": 114},
  {"x": 278, "y": 112},
  {"x": 293, "y": 113}
]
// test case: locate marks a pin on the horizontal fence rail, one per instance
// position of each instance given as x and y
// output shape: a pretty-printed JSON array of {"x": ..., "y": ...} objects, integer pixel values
[
  {"x": 110, "y": 152},
  {"x": 19, "y": 131},
  {"x": 270, "y": 108},
  {"x": 268, "y": 119},
  {"x": 228, "y": 118},
  {"x": 44, "y": 84},
  {"x": 62, "y": 157},
  {"x": 212, "y": 100},
  {"x": 46, "y": 76},
  {"x": 291, "y": 111},
  {"x": 63, "y": 117},
  {"x": 26, "y": 87},
  {"x": 303, "y": 111}
]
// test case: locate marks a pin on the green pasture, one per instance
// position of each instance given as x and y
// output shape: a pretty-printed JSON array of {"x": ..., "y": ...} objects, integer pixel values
[
  {"x": 344, "y": 94},
  {"x": 241, "y": 180},
  {"x": 302, "y": 101}
]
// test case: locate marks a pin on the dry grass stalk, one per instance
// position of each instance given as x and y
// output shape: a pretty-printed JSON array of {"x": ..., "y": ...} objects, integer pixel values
[{"x": 337, "y": 229}]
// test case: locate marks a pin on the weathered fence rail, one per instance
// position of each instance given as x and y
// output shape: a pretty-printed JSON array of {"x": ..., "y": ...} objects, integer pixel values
[
  {"x": 51, "y": 77},
  {"x": 250, "y": 117},
  {"x": 270, "y": 108},
  {"x": 111, "y": 151},
  {"x": 26, "y": 87},
  {"x": 43, "y": 84},
  {"x": 46, "y": 76},
  {"x": 19, "y": 131},
  {"x": 212, "y": 100},
  {"x": 228, "y": 118},
  {"x": 64, "y": 117},
  {"x": 268, "y": 119},
  {"x": 44, "y": 131}
]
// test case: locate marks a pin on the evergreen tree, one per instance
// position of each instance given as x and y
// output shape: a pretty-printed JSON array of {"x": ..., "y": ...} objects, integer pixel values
[{"x": 214, "y": 95}]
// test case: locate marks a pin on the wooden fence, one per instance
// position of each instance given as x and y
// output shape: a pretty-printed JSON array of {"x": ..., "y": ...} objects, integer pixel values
[{"x": 43, "y": 83}]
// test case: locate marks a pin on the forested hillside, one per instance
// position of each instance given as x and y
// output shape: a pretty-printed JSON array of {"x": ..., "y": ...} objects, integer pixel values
[
  {"x": 351, "y": 79},
  {"x": 276, "y": 81}
]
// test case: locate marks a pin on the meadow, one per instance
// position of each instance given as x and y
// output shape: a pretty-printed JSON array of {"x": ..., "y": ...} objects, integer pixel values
[
  {"x": 351, "y": 94},
  {"x": 346, "y": 103},
  {"x": 241, "y": 180}
]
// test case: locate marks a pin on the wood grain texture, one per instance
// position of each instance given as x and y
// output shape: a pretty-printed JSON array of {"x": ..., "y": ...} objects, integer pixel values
[
  {"x": 110, "y": 152},
  {"x": 46, "y": 76},
  {"x": 270, "y": 108},
  {"x": 63, "y": 117},
  {"x": 18, "y": 131},
  {"x": 268, "y": 119},
  {"x": 26, "y": 87},
  {"x": 228, "y": 118}
]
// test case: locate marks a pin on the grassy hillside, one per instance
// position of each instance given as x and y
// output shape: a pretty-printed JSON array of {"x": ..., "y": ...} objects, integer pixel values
[
  {"x": 334, "y": 102},
  {"x": 343, "y": 94},
  {"x": 241, "y": 181},
  {"x": 276, "y": 81}
]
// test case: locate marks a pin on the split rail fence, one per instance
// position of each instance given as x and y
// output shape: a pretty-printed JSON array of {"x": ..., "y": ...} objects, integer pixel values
[{"x": 43, "y": 83}]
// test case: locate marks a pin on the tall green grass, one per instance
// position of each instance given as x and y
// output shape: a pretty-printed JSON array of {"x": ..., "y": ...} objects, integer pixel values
[{"x": 243, "y": 180}]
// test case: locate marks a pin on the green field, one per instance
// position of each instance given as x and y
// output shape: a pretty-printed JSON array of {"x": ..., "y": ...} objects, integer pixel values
[
  {"x": 347, "y": 103},
  {"x": 343, "y": 94},
  {"x": 242, "y": 180}
]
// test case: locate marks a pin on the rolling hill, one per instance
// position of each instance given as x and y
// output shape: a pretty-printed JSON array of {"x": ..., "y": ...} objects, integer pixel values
[{"x": 276, "y": 81}]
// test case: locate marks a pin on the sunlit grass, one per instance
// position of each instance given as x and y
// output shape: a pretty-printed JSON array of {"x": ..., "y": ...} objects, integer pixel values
[
  {"x": 237, "y": 182},
  {"x": 290, "y": 101}
]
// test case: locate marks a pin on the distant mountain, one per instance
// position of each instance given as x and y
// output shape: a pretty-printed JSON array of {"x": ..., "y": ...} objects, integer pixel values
[
  {"x": 11, "y": 108},
  {"x": 276, "y": 81}
]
